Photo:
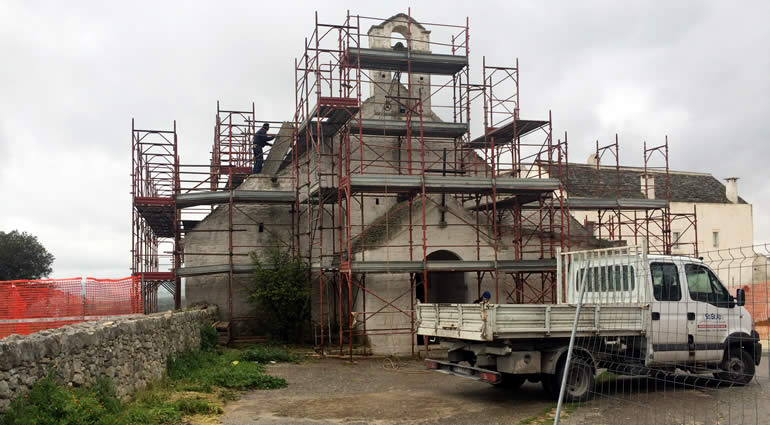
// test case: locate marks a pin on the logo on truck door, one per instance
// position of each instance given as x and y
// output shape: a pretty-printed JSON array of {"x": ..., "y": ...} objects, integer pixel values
[{"x": 712, "y": 321}]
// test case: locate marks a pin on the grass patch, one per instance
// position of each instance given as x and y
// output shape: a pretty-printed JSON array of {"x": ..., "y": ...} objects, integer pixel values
[
  {"x": 268, "y": 353},
  {"x": 204, "y": 370},
  {"x": 605, "y": 377},
  {"x": 549, "y": 415}
]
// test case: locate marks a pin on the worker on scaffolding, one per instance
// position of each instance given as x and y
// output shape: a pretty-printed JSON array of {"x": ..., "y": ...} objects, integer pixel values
[
  {"x": 483, "y": 299},
  {"x": 261, "y": 140}
]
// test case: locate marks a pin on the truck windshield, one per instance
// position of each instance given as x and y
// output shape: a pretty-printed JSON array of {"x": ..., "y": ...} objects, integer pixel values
[{"x": 608, "y": 279}]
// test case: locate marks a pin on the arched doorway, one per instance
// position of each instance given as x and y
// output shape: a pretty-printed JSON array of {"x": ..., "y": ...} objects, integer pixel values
[{"x": 443, "y": 287}]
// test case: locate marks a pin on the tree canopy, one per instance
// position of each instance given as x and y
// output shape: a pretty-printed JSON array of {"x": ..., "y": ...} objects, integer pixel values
[{"x": 22, "y": 256}]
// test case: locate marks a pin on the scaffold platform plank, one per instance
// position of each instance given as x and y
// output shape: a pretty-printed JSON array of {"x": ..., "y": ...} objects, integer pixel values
[
  {"x": 504, "y": 135},
  {"x": 504, "y": 266},
  {"x": 620, "y": 204},
  {"x": 448, "y": 184},
  {"x": 589, "y": 204},
  {"x": 526, "y": 189},
  {"x": 333, "y": 113},
  {"x": 214, "y": 269},
  {"x": 439, "y": 129},
  {"x": 240, "y": 196},
  {"x": 158, "y": 213},
  {"x": 399, "y": 60},
  {"x": 332, "y": 118},
  {"x": 160, "y": 276}
]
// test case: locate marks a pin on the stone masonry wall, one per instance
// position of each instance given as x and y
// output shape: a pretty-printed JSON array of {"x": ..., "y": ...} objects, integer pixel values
[{"x": 131, "y": 351}]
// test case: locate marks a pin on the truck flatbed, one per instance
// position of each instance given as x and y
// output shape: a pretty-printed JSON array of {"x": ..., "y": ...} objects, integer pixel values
[{"x": 488, "y": 322}]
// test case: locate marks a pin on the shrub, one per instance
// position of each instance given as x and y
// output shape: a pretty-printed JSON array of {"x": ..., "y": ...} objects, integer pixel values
[
  {"x": 282, "y": 289},
  {"x": 209, "y": 338}
]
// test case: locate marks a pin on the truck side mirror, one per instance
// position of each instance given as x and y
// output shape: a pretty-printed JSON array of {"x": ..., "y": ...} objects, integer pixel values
[{"x": 741, "y": 295}]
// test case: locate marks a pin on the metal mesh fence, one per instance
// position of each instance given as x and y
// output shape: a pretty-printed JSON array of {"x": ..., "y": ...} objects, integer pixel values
[
  {"x": 701, "y": 357},
  {"x": 28, "y": 306}
]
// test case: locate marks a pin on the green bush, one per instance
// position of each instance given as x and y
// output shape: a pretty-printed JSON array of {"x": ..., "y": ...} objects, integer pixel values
[
  {"x": 282, "y": 289},
  {"x": 267, "y": 353},
  {"x": 209, "y": 338}
]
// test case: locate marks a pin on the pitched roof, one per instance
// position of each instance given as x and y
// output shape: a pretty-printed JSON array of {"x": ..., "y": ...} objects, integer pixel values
[{"x": 683, "y": 186}]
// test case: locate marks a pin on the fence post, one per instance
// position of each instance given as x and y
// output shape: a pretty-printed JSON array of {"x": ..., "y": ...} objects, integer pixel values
[{"x": 563, "y": 388}]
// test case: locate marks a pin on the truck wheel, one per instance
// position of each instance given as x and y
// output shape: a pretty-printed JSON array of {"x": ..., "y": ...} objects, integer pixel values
[
  {"x": 738, "y": 367},
  {"x": 580, "y": 382},
  {"x": 510, "y": 381}
]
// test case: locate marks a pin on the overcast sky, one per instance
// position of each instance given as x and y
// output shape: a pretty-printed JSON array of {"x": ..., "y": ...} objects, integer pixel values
[{"x": 73, "y": 74}]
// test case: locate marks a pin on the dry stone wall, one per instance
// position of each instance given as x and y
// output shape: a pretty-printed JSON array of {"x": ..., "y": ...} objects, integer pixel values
[{"x": 130, "y": 351}]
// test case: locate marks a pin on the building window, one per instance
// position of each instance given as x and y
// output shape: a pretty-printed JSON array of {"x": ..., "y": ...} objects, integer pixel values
[
  {"x": 715, "y": 239},
  {"x": 675, "y": 239}
]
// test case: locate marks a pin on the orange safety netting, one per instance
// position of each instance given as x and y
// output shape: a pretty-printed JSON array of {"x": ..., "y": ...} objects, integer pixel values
[
  {"x": 758, "y": 305},
  {"x": 28, "y": 306}
]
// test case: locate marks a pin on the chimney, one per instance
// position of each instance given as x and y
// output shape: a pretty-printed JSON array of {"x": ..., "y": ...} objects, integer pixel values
[
  {"x": 593, "y": 160},
  {"x": 731, "y": 189},
  {"x": 649, "y": 189}
]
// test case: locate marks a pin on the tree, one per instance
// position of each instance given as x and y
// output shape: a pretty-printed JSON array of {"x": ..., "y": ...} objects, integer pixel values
[
  {"x": 281, "y": 288},
  {"x": 22, "y": 256}
]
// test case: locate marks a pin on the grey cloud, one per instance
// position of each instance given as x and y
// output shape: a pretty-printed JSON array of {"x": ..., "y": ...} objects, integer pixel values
[{"x": 74, "y": 74}]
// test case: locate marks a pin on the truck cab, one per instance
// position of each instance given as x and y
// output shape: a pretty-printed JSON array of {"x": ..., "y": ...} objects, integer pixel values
[
  {"x": 695, "y": 321},
  {"x": 628, "y": 312}
]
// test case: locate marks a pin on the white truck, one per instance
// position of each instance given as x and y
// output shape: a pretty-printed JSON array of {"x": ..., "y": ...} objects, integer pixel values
[{"x": 640, "y": 314}]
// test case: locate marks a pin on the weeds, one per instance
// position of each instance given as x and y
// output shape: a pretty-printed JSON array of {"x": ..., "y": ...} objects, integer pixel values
[
  {"x": 203, "y": 370},
  {"x": 268, "y": 353},
  {"x": 49, "y": 403}
]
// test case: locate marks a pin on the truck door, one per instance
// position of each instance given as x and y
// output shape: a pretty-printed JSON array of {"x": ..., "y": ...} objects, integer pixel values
[
  {"x": 708, "y": 312},
  {"x": 668, "y": 324}
]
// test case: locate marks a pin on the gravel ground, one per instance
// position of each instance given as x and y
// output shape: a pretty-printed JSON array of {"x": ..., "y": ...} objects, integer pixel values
[{"x": 371, "y": 391}]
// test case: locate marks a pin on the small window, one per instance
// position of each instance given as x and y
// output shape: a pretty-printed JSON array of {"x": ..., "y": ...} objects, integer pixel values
[
  {"x": 715, "y": 239},
  {"x": 621, "y": 278},
  {"x": 665, "y": 282},
  {"x": 675, "y": 239},
  {"x": 704, "y": 286},
  {"x": 376, "y": 201},
  {"x": 261, "y": 227}
]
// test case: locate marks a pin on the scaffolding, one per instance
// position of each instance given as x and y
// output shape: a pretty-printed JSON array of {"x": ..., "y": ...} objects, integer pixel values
[
  {"x": 170, "y": 200},
  {"x": 358, "y": 172},
  {"x": 154, "y": 237},
  {"x": 624, "y": 213},
  {"x": 370, "y": 182},
  {"x": 222, "y": 185}
]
